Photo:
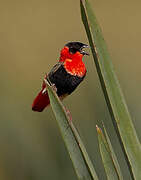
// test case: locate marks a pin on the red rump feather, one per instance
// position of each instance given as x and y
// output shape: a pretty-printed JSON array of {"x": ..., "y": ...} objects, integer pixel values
[{"x": 42, "y": 100}]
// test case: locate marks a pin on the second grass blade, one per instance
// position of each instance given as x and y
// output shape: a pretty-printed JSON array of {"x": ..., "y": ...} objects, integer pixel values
[{"x": 110, "y": 162}]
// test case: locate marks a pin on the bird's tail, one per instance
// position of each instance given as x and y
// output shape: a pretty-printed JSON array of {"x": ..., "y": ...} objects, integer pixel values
[{"x": 41, "y": 101}]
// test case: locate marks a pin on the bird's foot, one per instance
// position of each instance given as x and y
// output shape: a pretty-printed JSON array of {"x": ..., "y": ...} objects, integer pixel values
[
  {"x": 54, "y": 87},
  {"x": 47, "y": 81}
]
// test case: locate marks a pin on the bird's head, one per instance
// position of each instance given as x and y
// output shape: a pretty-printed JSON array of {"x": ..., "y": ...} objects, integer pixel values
[{"x": 73, "y": 50}]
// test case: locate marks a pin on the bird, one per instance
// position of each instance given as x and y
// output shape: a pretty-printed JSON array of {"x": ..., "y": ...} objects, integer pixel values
[{"x": 66, "y": 75}]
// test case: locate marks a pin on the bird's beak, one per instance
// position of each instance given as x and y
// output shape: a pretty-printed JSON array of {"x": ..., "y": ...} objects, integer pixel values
[{"x": 82, "y": 51}]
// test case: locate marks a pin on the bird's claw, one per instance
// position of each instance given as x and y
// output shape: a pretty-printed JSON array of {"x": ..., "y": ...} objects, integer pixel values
[
  {"x": 54, "y": 87},
  {"x": 47, "y": 81}
]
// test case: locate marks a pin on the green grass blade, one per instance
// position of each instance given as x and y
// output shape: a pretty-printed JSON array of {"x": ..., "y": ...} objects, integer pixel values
[
  {"x": 82, "y": 164},
  {"x": 113, "y": 156},
  {"x": 107, "y": 158},
  {"x": 112, "y": 91}
]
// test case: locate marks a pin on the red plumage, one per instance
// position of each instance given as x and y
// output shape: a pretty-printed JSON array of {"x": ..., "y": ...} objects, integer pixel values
[{"x": 42, "y": 100}]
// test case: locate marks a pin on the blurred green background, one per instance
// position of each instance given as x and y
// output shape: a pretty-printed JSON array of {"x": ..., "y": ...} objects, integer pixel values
[{"x": 31, "y": 36}]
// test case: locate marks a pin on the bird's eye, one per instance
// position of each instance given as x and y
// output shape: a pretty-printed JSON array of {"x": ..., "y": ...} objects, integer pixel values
[{"x": 72, "y": 50}]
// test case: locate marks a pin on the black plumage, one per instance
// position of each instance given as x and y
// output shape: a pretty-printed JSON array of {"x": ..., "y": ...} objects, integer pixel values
[{"x": 65, "y": 82}]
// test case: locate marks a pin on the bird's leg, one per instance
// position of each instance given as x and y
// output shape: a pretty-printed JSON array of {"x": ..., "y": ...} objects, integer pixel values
[
  {"x": 46, "y": 79},
  {"x": 54, "y": 87},
  {"x": 51, "y": 84}
]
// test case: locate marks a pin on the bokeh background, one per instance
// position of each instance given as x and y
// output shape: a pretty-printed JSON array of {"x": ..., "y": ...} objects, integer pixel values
[{"x": 31, "y": 36}]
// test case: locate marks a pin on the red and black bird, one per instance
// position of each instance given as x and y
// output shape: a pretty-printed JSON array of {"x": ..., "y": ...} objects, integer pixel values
[{"x": 66, "y": 75}]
